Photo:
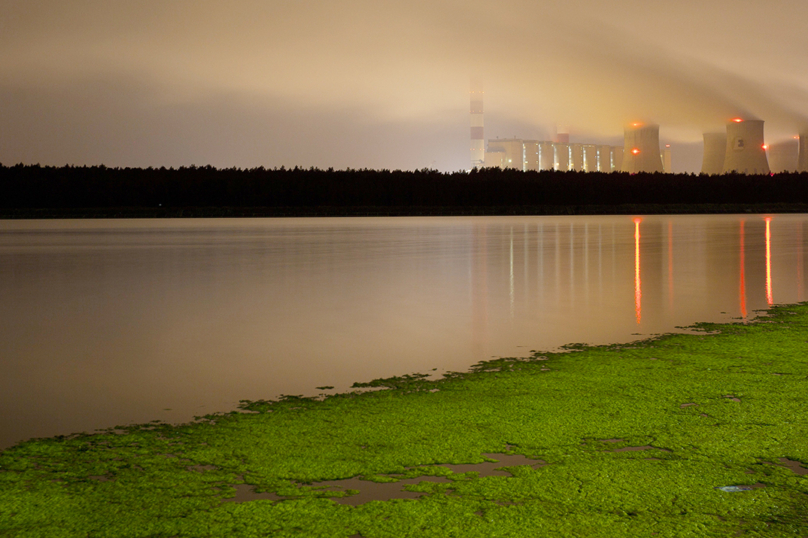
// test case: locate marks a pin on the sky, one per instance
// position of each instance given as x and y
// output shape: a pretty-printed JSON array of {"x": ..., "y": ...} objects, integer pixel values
[{"x": 374, "y": 84}]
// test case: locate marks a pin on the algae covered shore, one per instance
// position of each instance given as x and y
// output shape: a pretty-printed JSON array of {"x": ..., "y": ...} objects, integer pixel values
[{"x": 696, "y": 434}]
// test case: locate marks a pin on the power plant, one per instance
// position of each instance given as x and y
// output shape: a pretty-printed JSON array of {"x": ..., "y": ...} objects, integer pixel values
[
  {"x": 741, "y": 150},
  {"x": 746, "y": 149}
]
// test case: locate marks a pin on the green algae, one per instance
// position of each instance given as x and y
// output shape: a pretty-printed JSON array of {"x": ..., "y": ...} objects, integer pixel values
[{"x": 582, "y": 411}]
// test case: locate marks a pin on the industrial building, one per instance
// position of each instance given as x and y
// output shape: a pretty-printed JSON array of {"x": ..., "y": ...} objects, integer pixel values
[
  {"x": 538, "y": 155},
  {"x": 534, "y": 154},
  {"x": 745, "y": 150},
  {"x": 641, "y": 143},
  {"x": 784, "y": 156},
  {"x": 802, "y": 161},
  {"x": 715, "y": 149}
]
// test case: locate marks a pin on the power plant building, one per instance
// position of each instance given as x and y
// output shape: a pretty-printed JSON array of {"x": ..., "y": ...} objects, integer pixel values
[
  {"x": 746, "y": 150},
  {"x": 590, "y": 158},
  {"x": 783, "y": 156},
  {"x": 802, "y": 162},
  {"x": 715, "y": 151},
  {"x": 641, "y": 143},
  {"x": 527, "y": 155},
  {"x": 505, "y": 153}
]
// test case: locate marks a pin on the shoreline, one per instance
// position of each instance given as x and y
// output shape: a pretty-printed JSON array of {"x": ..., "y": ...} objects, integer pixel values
[
  {"x": 632, "y": 438},
  {"x": 394, "y": 211}
]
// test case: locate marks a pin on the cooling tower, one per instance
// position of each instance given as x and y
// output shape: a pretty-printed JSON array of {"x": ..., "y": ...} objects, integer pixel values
[
  {"x": 477, "y": 136},
  {"x": 641, "y": 152},
  {"x": 783, "y": 156},
  {"x": 715, "y": 150},
  {"x": 745, "y": 151},
  {"x": 802, "y": 162}
]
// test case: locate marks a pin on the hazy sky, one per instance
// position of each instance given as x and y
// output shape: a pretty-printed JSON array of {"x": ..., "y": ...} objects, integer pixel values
[{"x": 380, "y": 84}]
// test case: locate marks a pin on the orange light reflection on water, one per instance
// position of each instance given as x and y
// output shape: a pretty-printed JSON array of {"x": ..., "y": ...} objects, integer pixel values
[
  {"x": 769, "y": 295},
  {"x": 637, "y": 281}
]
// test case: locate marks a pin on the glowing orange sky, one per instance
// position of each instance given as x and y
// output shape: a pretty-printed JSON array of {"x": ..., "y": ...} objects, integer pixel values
[{"x": 376, "y": 84}]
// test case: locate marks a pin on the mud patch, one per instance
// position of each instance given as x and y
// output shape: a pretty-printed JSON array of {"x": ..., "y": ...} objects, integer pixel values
[
  {"x": 385, "y": 491},
  {"x": 794, "y": 466},
  {"x": 246, "y": 492}
]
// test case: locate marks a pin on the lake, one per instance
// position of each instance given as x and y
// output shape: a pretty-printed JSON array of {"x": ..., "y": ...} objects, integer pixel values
[{"x": 111, "y": 322}]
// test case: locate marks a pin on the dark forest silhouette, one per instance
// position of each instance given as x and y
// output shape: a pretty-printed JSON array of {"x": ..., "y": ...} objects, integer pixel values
[{"x": 204, "y": 190}]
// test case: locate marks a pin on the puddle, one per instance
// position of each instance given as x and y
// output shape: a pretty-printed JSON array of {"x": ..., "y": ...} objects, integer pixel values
[
  {"x": 792, "y": 465},
  {"x": 736, "y": 489},
  {"x": 375, "y": 491}
]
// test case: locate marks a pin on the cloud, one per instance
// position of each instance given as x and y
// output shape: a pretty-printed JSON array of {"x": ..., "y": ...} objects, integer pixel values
[{"x": 362, "y": 71}]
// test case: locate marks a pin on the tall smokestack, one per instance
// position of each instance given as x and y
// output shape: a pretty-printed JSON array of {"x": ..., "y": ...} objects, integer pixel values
[
  {"x": 715, "y": 151},
  {"x": 802, "y": 163},
  {"x": 477, "y": 136},
  {"x": 746, "y": 150},
  {"x": 641, "y": 149}
]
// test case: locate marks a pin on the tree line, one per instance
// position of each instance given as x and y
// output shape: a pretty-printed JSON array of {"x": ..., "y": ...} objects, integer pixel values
[{"x": 34, "y": 187}]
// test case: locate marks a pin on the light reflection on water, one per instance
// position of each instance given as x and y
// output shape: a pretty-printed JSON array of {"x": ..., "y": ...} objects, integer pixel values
[{"x": 111, "y": 322}]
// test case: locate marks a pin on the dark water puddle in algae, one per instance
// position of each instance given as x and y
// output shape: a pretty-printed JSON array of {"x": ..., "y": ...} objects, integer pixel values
[{"x": 385, "y": 491}]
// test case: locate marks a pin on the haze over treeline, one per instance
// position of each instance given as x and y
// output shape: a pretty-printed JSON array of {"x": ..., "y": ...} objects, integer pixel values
[{"x": 352, "y": 83}]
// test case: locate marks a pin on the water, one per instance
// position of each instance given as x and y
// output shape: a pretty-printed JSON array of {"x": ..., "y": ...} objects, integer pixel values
[{"x": 109, "y": 322}]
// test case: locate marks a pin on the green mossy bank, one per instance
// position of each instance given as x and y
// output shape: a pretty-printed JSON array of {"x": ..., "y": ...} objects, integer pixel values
[{"x": 747, "y": 384}]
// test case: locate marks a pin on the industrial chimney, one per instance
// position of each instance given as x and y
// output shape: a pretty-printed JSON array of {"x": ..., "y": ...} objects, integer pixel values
[
  {"x": 641, "y": 149},
  {"x": 746, "y": 150},
  {"x": 477, "y": 135},
  {"x": 802, "y": 163},
  {"x": 715, "y": 151}
]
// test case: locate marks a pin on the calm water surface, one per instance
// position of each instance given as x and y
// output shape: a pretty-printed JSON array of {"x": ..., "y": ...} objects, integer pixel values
[{"x": 108, "y": 322}]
